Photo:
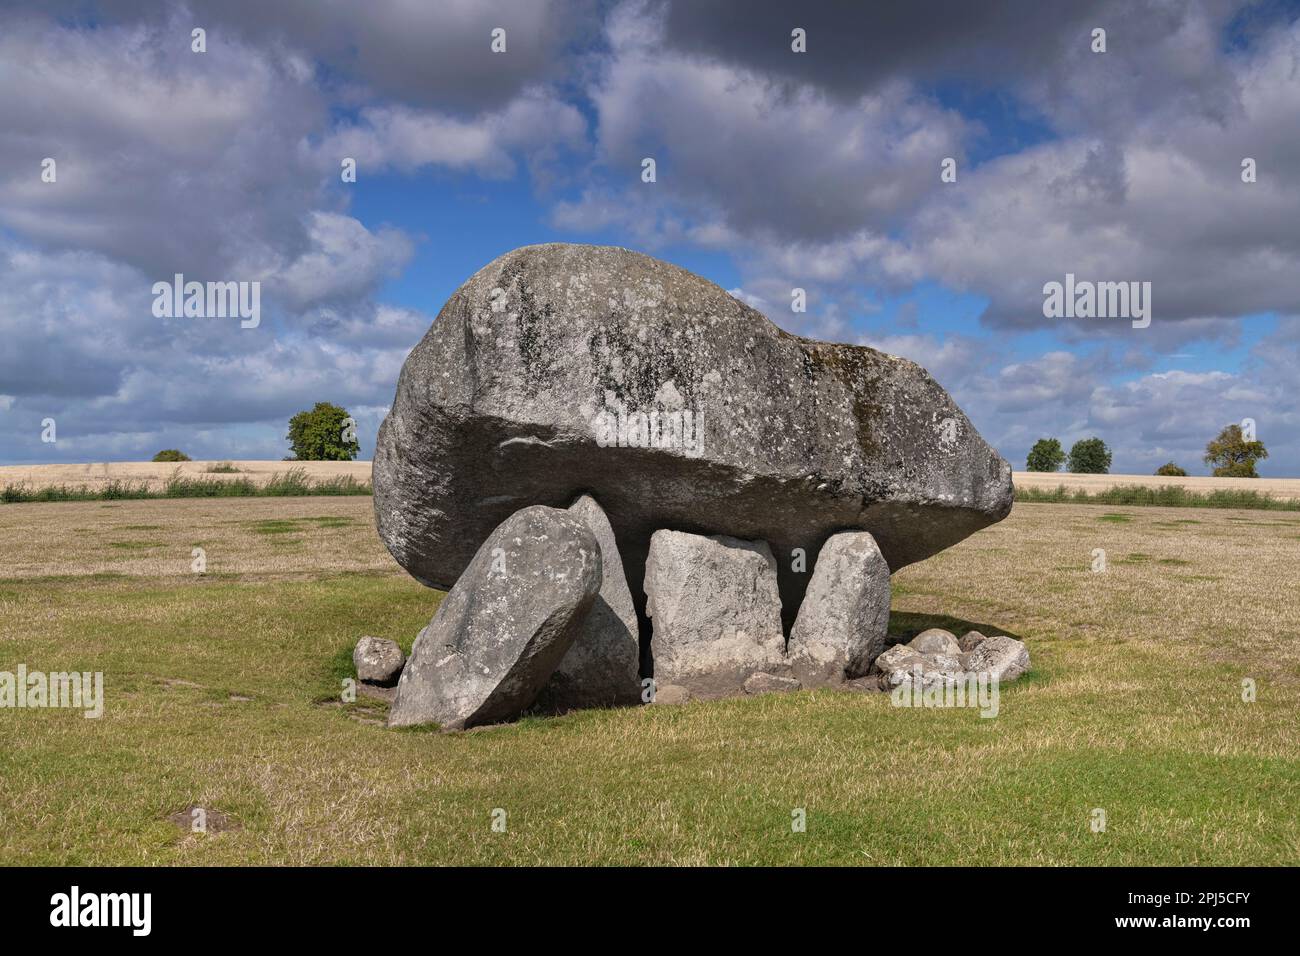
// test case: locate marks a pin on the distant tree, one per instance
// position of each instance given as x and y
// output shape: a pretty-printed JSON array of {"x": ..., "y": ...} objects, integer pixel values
[
  {"x": 1170, "y": 470},
  {"x": 326, "y": 433},
  {"x": 1046, "y": 455},
  {"x": 1232, "y": 456},
  {"x": 171, "y": 454},
  {"x": 1090, "y": 456}
]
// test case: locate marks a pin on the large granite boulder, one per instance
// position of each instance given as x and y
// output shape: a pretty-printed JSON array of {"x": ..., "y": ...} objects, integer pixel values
[
  {"x": 844, "y": 619},
  {"x": 603, "y": 665},
  {"x": 502, "y": 630},
  {"x": 715, "y": 612},
  {"x": 558, "y": 369}
]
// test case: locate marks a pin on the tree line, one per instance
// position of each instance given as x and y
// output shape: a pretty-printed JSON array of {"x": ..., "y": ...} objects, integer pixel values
[{"x": 1232, "y": 454}]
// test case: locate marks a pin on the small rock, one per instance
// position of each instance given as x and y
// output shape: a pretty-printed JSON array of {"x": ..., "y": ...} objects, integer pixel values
[
  {"x": 970, "y": 639},
  {"x": 935, "y": 641},
  {"x": 897, "y": 664},
  {"x": 944, "y": 663},
  {"x": 901, "y": 664},
  {"x": 764, "y": 683},
  {"x": 1003, "y": 658},
  {"x": 378, "y": 661},
  {"x": 670, "y": 694}
]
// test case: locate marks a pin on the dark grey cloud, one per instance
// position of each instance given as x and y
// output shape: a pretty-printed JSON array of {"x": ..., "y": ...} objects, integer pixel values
[
  {"x": 1039, "y": 48},
  {"x": 431, "y": 54}
]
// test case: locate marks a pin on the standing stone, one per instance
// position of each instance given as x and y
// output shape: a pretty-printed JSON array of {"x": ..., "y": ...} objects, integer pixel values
[
  {"x": 715, "y": 611},
  {"x": 378, "y": 661},
  {"x": 603, "y": 665},
  {"x": 559, "y": 369},
  {"x": 502, "y": 630},
  {"x": 844, "y": 618}
]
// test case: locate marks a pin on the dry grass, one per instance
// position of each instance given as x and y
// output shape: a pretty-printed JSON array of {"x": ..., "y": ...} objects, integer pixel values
[
  {"x": 155, "y": 474},
  {"x": 97, "y": 474},
  {"x": 156, "y": 538},
  {"x": 220, "y": 686},
  {"x": 1288, "y": 488}
]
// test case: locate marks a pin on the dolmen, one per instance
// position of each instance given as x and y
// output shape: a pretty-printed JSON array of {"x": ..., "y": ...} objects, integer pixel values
[{"x": 635, "y": 488}]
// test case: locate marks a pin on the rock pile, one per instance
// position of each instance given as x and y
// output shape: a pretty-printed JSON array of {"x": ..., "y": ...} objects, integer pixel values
[
  {"x": 935, "y": 656},
  {"x": 619, "y": 470}
]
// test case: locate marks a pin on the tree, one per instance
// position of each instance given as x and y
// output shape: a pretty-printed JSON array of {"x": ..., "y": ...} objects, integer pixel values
[
  {"x": 326, "y": 433},
  {"x": 1090, "y": 456},
  {"x": 1046, "y": 455},
  {"x": 1170, "y": 470},
  {"x": 1232, "y": 456},
  {"x": 171, "y": 454}
]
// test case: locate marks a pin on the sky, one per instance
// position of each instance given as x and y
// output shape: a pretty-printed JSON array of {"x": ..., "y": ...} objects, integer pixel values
[{"x": 774, "y": 170}]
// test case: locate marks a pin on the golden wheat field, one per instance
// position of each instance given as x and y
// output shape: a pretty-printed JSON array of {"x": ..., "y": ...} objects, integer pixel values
[{"x": 155, "y": 475}]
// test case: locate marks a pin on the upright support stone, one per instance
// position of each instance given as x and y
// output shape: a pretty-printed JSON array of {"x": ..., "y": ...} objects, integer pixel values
[
  {"x": 844, "y": 619},
  {"x": 502, "y": 630},
  {"x": 603, "y": 665},
  {"x": 715, "y": 612}
]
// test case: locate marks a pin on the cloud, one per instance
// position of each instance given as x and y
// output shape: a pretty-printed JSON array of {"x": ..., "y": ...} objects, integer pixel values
[
  {"x": 808, "y": 178},
  {"x": 817, "y": 170},
  {"x": 403, "y": 138},
  {"x": 1167, "y": 205},
  {"x": 1156, "y": 53},
  {"x": 82, "y": 347},
  {"x": 756, "y": 156},
  {"x": 345, "y": 260},
  {"x": 432, "y": 55},
  {"x": 1146, "y": 419},
  {"x": 210, "y": 165},
  {"x": 183, "y": 163}
]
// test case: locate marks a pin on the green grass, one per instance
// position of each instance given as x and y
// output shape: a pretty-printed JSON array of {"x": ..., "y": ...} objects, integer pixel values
[
  {"x": 1133, "y": 706},
  {"x": 306, "y": 781},
  {"x": 1164, "y": 496},
  {"x": 291, "y": 483}
]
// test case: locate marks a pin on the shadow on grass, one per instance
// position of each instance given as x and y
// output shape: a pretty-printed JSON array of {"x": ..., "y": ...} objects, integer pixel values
[{"x": 905, "y": 625}]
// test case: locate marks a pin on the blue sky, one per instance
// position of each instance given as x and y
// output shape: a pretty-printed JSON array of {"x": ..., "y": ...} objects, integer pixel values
[{"x": 775, "y": 170}]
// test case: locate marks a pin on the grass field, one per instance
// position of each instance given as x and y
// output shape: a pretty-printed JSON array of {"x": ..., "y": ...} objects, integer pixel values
[
  {"x": 222, "y": 693},
  {"x": 155, "y": 475}
]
